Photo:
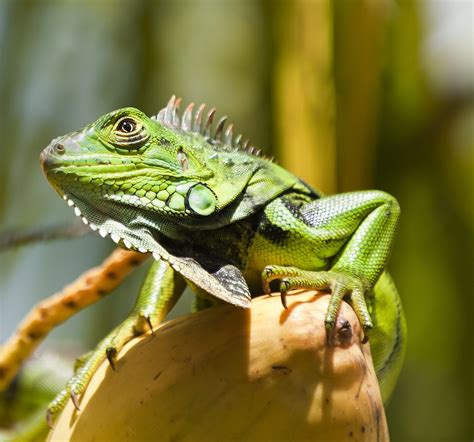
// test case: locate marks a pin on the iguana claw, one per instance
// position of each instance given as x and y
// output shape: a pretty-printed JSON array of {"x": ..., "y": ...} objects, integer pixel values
[
  {"x": 75, "y": 400},
  {"x": 150, "y": 324},
  {"x": 340, "y": 284},
  {"x": 111, "y": 354},
  {"x": 49, "y": 419}
]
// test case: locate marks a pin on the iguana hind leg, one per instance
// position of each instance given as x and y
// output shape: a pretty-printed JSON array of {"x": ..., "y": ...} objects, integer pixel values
[
  {"x": 353, "y": 232},
  {"x": 159, "y": 293}
]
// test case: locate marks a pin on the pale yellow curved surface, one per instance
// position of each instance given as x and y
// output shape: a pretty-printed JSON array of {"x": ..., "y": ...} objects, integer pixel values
[{"x": 228, "y": 374}]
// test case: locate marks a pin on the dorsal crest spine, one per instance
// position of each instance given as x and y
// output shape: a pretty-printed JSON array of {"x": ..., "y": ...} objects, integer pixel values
[{"x": 223, "y": 133}]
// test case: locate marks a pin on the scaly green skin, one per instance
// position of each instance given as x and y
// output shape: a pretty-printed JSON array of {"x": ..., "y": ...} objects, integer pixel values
[{"x": 223, "y": 218}]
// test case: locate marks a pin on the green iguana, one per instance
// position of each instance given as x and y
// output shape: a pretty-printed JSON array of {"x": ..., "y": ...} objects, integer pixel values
[{"x": 218, "y": 216}]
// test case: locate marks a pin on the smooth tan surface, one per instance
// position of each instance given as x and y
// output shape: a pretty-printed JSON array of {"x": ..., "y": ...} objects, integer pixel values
[{"x": 233, "y": 374}]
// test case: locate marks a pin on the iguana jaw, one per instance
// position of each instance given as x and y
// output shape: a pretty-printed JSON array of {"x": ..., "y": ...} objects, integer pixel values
[{"x": 105, "y": 225}]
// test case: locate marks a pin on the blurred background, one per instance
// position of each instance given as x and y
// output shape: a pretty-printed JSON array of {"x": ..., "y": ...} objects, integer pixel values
[{"x": 349, "y": 95}]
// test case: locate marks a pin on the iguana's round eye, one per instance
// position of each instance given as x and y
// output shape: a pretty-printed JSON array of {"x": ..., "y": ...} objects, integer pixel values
[
  {"x": 129, "y": 133},
  {"x": 127, "y": 126}
]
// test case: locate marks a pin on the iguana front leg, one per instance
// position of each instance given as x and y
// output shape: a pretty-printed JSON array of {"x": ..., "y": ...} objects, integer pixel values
[
  {"x": 159, "y": 293},
  {"x": 364, "y": 223}
]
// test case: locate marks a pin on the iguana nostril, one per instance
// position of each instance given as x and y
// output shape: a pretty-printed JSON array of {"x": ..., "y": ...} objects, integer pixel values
[{"x": 59, "y": 148}]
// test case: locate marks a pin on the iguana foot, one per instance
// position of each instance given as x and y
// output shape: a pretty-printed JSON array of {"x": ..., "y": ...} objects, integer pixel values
[
  {"x": 136, "y": 324},
  {"x": 341, "y": 285}
]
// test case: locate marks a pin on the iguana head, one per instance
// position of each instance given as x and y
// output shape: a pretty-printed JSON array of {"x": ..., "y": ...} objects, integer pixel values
[{"x": 169, "y": 167}]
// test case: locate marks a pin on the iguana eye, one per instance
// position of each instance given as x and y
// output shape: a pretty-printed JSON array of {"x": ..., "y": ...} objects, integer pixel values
[
  {"x": 127, "y": 126},
  {"x": 129, "y": 133}
]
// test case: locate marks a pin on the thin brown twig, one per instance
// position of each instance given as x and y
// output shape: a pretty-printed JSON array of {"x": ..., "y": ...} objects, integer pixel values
[{"x": 84, "y": 291}]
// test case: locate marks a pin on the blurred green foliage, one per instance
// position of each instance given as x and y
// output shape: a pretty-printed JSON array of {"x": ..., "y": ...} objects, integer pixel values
[{"x": 349, "y": 94}]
